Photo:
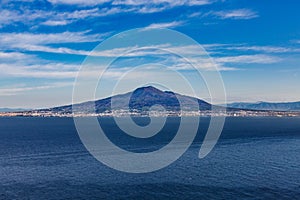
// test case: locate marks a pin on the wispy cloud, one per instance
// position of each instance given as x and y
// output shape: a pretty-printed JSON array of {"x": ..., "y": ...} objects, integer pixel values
[
  {"x": 59, "y": 50},
  {"x": 91, "y": 9},
  {"x": 51, "y": 70},
  {"x": 158, "y": 2},
  {"x": 57, "y": 22},
  {"x": 92, "y": 12},
  {"x": 268, "y": 49},
  {"x": 41, "y": 42},
  {"x": 171, "y": 3},
  {"x": 69, "y": 71},
  {"x": 203, "y": 64},
  {"x": 8, "y": 16},
  {"x": 235, "y": 14},
  {"x": 136, "y": 6},
  {"x": 16, "y": 58},
  {"x": 254, "y": 48},
  {"x": 79, "y": 2},
  {"x": 12, "y": 55},
  {"x": 248, "y": 59},
  {"x": 15, "y": 39},
  {"x": 195, "y": 14},
  {"x": 59, "y": 18},
  {"x": 165, "y": 25},
  {"x": 12, "y": 91}
]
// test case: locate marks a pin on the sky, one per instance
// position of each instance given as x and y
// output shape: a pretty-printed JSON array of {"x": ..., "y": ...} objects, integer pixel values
[{"x": 254, "y": 44}]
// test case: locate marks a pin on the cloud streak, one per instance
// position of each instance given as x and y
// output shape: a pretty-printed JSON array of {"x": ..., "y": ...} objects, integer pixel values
[
  {"x": 235, "y": 14},
  {"x": 164, "y": 25},
  {"x": 40, "y": 42},
  {"x": 170, "y": 3},
  {"x": 12, "y": 91},
  {"x": 248, "y": 59},
  {"x": 15, "y": 39},
  {"x": 13, "y": 55},
  {"x": 254, "y": 48},
  {"x": 60, "y": 18}
]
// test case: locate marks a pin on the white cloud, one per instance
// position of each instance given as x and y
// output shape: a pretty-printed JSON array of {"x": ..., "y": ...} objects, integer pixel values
[
  {"x": 248, "y": 59},
  {"x": 79, "y": 2},
  {"x": 171, "y": 3},
  {"x": 39, "y": 42},
  {"x": 12, "y": 91},
  {"x": 17, "y": 58},
  {"x": 150, "y": 50},
  {"x": 257, "y": 48},
  {"x": 195, "y": 14},
  {"x": 47, "y": 49},
  {"x": 199, "y": 2},
  {"x": 165, "y": 25},
  {"x": 15, "y": 39},
  {"x": 12, "y": 55},
  {"x": 25, "y": 65},
  {"x": 137, "y": 6},
  {"x": 27, "y": 16},
  {"x": 56, "y": 22},
  {"x": 235, "y": 14},
  {"x": 269, "y": 49},
  {"x": 62, "y": 18},
  {"x": 50, "y": 70},
  {"x": 58, "y": 18},
  {"x": 7, "y": 17},
  {"x": 93, "y": 12},
  {"x": 204, "y": 64},
  {"x": 151, "y": 9}
]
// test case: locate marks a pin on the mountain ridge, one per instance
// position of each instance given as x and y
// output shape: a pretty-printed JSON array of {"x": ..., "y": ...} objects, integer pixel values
[
  {"x": 13, "y": 109},
  {"x": 141, "y": 100},
  {"x": 262, "y": 105}
]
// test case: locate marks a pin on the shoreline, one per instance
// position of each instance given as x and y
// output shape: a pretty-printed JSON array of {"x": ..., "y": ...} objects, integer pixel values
[{"x": 277, "y": 114}]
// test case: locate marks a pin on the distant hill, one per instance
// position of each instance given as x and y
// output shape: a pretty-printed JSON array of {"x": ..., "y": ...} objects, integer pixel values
[
  {"x": 141, "y": 100},
  {"x": 288, "y": 106},
  {"x": 11, "y": 109}
]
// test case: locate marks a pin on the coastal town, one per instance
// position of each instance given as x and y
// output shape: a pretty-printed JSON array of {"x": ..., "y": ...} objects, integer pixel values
[{"x": 136, "y": 113}]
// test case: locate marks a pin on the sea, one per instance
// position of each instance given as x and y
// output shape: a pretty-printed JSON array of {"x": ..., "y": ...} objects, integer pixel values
[{"x": 255, "y": 158}]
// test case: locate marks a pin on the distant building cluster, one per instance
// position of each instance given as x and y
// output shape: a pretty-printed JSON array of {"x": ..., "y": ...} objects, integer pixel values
[{"x": 126, "y": 113}]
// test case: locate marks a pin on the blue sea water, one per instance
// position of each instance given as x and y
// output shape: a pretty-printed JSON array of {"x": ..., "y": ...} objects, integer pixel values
[{"x": 256, "y": 158}]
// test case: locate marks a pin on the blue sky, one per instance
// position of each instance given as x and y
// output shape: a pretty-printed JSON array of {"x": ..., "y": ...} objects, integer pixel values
[{"x": 256, "y": 44}]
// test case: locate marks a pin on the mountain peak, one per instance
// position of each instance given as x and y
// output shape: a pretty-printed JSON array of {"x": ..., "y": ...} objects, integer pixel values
[
  {"x": 140, "y": 100},
  {"x": 148, "y": 89}
]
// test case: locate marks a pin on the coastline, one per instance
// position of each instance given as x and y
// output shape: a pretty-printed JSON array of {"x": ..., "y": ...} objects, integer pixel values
[{"x": 240, "y": 113}]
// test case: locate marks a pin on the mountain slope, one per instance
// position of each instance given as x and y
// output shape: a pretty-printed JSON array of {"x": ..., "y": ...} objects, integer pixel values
[
  {"x": 141, "y": 100},
  {"x": 289, "y": 106}
]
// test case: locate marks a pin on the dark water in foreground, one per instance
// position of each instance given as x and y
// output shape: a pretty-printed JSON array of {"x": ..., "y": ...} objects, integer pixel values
[{"x": 256, "y": 158}]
